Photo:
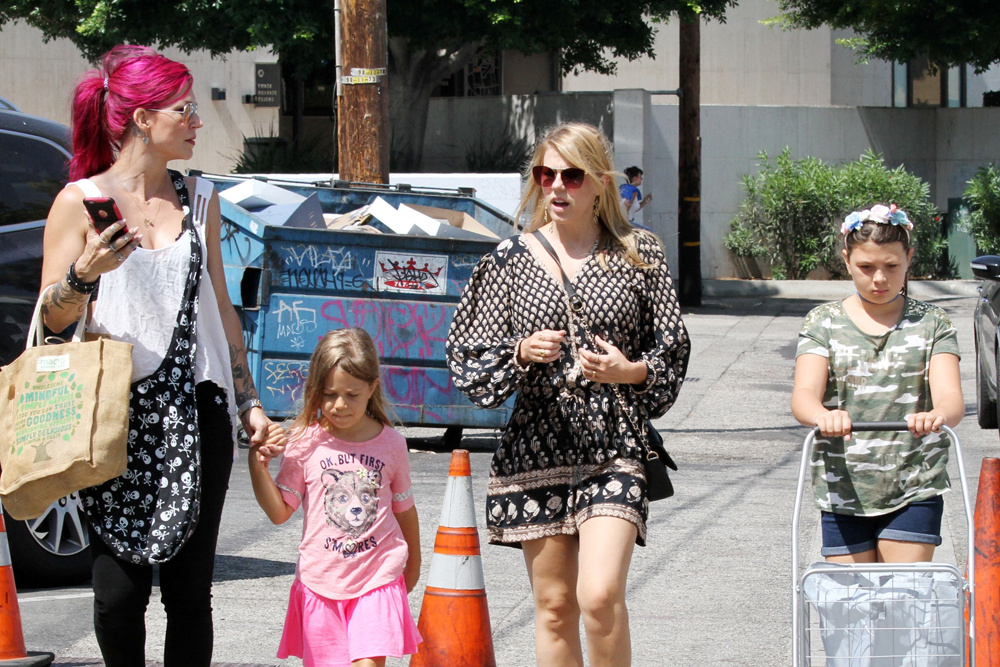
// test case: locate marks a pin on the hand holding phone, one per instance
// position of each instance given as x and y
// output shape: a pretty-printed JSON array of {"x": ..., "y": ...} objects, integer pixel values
[{"x": 104, "y": 213}]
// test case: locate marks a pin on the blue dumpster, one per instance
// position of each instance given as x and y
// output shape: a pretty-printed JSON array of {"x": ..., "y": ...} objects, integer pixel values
[{"x": 291, "y": 285}]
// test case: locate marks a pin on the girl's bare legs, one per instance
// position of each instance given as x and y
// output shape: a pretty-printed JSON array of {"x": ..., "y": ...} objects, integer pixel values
[
  {"x": 890, "y": 551},
  {"x": 369, "y": 662},
  {"x": 552, "y": 570},
  {"x": 605, "y": 552}
]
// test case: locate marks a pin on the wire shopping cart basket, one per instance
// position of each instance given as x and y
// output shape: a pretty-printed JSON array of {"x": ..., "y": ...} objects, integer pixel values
[{"x": 882, "y": 614}]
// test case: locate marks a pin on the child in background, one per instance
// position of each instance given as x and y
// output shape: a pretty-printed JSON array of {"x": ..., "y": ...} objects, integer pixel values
[
  {"x": 632, "y": 198},
  {"x": 348, "y": 468},
  {"x": 878, "y": 356}
]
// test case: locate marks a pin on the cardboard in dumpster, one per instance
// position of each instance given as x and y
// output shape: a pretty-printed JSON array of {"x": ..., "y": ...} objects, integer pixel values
[
  {"x": 393, "y": 220},
  {"x": 456, "y": 219},
  {"x": 277, "y": 206},
  {"x": 353, "y": 221},
  {"x": 411, "y": 220},
  {"x": 439, "y": 227}
]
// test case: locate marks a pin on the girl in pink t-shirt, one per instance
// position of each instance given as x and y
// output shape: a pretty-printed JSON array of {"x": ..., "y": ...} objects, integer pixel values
[{"x": 360, "y": 549}]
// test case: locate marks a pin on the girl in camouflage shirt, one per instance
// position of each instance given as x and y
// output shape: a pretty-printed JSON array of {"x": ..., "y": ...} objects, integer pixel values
[{"x": 878, "y": 356}]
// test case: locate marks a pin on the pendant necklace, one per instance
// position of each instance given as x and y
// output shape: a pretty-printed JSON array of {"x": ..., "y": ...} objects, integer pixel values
[{"x": 145, "y": 220}]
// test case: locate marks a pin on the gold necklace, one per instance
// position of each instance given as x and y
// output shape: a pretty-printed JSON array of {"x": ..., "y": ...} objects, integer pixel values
[{"x": 145, "y": 220}]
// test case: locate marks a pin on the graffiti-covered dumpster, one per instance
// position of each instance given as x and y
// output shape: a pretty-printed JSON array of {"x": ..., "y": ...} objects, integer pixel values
[{"x": 292, "y": 284}]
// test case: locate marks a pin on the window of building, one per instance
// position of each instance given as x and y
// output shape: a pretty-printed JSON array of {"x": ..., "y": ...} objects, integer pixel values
[
  {"x": 918, "y": 84},
  {"x": 32, "y": 172},
  {"x": 483, "y": 77}
]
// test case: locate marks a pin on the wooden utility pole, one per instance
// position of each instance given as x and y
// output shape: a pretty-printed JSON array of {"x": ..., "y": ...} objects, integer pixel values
[
  {"x": 689, "y": 165},
  {"x": 363, "y": 105}
]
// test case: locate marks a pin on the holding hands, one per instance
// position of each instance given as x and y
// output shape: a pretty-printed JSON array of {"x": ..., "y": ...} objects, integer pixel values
[{"x": 272, "y": 444}]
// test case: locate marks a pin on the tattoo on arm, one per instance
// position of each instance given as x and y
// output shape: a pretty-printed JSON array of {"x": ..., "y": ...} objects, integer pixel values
[
  {"x": 63, "y": 297},
  {"x": 242, "y": 381}
]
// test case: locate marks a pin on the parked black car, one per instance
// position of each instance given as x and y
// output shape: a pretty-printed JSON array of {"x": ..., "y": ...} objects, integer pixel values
[
  {"x": 52, "y": 550},
  {"x": 987, "y": 327}
]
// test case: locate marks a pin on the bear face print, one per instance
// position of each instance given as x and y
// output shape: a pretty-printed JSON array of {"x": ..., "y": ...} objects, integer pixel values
[{"x": 351, "y": 500}]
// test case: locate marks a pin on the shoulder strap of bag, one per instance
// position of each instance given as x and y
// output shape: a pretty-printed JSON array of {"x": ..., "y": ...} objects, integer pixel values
[
  {"x": 36, "y": 335},
  {"x": 575, "y": 302},
  {"x": 203, "y": 189}
]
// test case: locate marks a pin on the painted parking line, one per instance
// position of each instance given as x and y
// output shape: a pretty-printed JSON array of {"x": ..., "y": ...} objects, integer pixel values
[{"x": 68, "y": 596}]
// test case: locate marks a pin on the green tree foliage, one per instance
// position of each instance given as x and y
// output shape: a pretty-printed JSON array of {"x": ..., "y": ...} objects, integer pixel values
[
  {"x": 429, "y": 39},
  {"x": 983, "y": 196},
  {"x": 793, "y": 209},
  {"x": 790, "y": 207},
  {"x": 948, "y": 32},
  {"x": 868, "y": 181}
]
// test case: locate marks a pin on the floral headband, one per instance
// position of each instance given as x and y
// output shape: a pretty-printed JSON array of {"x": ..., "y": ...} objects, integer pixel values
[{"x": 883, "y": 215}]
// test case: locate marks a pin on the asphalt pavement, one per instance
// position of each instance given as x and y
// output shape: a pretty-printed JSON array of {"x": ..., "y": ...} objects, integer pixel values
[{"x": 713, "y": 586}]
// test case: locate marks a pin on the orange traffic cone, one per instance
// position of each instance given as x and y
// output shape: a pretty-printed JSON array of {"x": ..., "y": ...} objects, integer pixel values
[
  {"x": 454, "y": 619},
  {"x": 12, "y": 653},
  {"x": 987, "y": 520}
]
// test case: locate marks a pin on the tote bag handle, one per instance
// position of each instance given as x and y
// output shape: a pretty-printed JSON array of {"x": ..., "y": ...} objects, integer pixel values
[{"x": 36, "y": 332}]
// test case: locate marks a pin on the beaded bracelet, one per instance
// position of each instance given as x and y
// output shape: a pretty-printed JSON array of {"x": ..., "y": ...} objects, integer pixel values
[{"x": 78, "y": 285}]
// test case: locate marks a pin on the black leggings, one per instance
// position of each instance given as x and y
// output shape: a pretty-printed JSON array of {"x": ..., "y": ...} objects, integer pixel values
[{"x": 122, "y": 589}]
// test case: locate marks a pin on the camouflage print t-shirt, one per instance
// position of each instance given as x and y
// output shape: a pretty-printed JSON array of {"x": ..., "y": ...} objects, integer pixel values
[{"x": 878, "y": 378}]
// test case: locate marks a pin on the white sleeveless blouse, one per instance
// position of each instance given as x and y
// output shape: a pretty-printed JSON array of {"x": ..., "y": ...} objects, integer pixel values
[{"x": 138, "y": 303}]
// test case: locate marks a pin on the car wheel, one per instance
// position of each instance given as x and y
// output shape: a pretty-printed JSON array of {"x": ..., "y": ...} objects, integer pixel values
[
  {"x": 52, "y": 550},
  {"x": 986, "y": 407}
]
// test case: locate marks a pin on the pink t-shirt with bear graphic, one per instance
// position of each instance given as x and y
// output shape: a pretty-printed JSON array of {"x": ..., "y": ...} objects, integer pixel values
[{"x": 349, "y": 492}]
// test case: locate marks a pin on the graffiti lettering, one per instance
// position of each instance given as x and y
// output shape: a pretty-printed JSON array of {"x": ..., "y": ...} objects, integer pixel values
[
  {"x": 294, "y": 319},
  {"x": 285, "y": 378},
  {"x": 321, "y": 279}
]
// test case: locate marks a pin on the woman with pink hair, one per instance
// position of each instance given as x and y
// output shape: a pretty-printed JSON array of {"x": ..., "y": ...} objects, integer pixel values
[{"x": 162, "y": 288}]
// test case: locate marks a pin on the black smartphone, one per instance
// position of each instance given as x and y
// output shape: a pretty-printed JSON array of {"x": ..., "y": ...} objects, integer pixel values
[{"x": 104, "y": 213}]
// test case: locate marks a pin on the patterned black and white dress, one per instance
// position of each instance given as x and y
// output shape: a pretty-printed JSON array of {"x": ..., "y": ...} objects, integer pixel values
[{"x": 570, "y": 452}]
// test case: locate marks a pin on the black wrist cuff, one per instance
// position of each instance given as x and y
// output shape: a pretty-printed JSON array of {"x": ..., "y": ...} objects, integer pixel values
[{"x": 78, "y": 285}]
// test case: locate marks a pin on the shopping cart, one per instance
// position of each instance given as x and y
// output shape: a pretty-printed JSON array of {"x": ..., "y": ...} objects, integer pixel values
[{"x": 882, "y": 614}]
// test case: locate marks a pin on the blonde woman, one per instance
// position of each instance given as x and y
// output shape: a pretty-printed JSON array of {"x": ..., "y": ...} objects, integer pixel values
[{"x": 567, "y": 484}]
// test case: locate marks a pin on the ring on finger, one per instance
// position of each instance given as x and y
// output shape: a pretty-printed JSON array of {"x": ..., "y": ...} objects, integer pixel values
[{"x": 120, "y": 257}]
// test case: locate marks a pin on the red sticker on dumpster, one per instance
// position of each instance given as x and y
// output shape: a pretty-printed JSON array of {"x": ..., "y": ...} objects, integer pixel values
[{"x": 405, "y": 272}]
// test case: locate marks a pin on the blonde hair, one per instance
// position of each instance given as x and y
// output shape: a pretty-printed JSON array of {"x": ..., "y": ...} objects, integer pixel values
[
  {"x": 584, "y": 146},
  {"x": 352, "y": 351}
]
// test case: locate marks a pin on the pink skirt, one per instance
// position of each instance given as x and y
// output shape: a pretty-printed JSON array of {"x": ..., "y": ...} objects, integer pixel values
[{"x": 334, "y": 633}]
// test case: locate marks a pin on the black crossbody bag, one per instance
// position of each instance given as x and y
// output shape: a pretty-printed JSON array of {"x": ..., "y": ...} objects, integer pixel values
[{"x": 657, "y": 460}]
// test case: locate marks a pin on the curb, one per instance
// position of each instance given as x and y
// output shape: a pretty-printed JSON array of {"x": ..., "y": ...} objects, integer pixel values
[{"x": 926, "y": 290}]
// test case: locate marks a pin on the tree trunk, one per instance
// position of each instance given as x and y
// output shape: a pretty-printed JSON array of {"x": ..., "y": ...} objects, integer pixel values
[{"x": 412, "y": 76}]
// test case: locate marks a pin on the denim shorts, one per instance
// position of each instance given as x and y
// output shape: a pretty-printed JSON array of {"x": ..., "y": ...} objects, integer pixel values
[{"x": 917, "y": 522}]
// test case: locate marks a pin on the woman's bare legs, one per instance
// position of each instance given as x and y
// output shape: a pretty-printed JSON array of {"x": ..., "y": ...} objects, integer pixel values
[
  {"x": 552, "y": 569},
  {"x": 605, "y": 552}
]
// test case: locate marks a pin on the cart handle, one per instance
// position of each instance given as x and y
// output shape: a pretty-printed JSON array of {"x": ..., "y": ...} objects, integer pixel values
[
  {"x": 874, "y": 426},
  {"x": 797, "y": 658}
]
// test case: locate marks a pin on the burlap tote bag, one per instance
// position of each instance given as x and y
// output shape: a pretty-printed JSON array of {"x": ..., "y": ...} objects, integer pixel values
[{"x": 63, "y": 418}]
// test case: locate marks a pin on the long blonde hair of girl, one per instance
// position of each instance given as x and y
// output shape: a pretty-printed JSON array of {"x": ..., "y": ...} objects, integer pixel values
[
  {"x": 352, "y": 351},
  {"x": 585, "y": 147}
]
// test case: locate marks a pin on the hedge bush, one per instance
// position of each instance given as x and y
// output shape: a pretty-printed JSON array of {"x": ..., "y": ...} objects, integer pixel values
[
  {"x": 793, "y": 210},
  {"x": 983, "y": 196}
]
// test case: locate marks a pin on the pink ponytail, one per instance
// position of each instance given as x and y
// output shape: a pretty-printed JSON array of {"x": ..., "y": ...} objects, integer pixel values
[{"x": 130, "y": 78}]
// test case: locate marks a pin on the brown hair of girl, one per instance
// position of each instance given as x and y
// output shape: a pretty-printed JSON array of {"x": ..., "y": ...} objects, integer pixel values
[
  {"x": 352, "y": 351},
  {"x": 879, "y": 233}
]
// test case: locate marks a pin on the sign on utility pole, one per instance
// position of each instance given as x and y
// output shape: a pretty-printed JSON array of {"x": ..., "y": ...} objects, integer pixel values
[
  {"x": 363, "y": 98},
  {"x": 689, "y": 166}
]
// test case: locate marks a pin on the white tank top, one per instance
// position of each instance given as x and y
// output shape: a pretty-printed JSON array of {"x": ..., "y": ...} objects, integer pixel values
[{"x": 138, "y": 302}]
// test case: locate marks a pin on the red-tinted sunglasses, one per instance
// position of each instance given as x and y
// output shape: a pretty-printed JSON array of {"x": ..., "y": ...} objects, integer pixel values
[{"x": 572, "y": 177}]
